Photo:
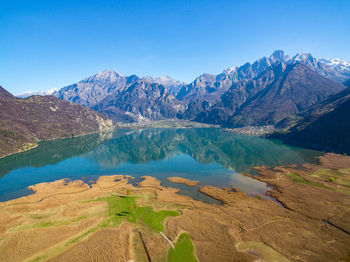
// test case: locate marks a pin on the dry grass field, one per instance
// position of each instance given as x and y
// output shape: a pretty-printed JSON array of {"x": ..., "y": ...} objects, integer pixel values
[{"x": 113, "y": 220}]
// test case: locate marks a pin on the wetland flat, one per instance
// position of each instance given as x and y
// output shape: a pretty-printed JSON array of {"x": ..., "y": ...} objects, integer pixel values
[{"x": 115, "y": 219}]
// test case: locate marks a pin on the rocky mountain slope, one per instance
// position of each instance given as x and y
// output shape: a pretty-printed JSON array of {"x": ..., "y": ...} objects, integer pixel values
[
  {"x": 23, "y": 122},
  {"x": 208, "y": 89},
  {"x": 141, "y": 101},
  {"x": 280, "y": 91},
  {"x": 325, "y": 126},
  {"x": 295, "y": 88},
  {"x": 92, "y": 90},
  {"x": 227, "y": 98}
]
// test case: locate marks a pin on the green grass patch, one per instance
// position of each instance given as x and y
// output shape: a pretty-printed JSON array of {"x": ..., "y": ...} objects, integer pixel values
[
  {"x": 124, "y": 207},
  {"x": 154, "y": 219},
  {"x": 331, "y": 179},
  {"x": 299, "y": 179},
  {"x": 339, "y": 176},
  {"x": 183, "y": 251},
  {"x": 118, "y": 208}
]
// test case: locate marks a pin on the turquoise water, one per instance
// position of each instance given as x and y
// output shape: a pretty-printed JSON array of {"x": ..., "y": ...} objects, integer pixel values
[{"x": 210, "y": 155}]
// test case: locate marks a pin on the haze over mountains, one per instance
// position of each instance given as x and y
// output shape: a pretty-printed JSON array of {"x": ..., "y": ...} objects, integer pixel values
[{"x": 260, "y": 93}]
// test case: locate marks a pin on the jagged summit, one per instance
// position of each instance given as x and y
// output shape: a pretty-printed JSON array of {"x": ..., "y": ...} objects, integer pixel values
[
  {"x": 305, "y": 58},
  {"x": 103, "y": 76},
  {"x": 280, "y": 56},
  {"x": 335, "y": 68}
]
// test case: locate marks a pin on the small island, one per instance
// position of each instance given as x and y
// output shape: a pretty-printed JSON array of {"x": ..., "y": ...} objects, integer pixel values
[{"x": 180, "y": 180}]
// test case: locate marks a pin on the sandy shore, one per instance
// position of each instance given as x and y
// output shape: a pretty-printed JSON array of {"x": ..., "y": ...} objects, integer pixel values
[{"x": 112, "y": 220}]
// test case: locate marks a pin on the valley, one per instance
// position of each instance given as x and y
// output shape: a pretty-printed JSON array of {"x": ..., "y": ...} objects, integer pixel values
[
  {"x": 175, "y": 131},
  {"x": 160, "y": 170}
]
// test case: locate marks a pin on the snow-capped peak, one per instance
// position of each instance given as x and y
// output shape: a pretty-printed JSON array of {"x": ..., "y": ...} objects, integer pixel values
[
  {"x": 163, "y": 80},
  {"x": 302, "y": 57},
  {"x": 333, "y": 62},
  {"x": 228, "y": 70},
  {"x": 37, "y": 93}
]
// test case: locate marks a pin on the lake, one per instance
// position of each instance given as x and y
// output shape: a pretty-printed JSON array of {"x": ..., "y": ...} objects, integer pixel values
[{"x": 210, "y": 155}]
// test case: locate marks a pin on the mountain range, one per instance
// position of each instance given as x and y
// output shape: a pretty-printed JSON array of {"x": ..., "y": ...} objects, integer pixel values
[
  {"x": 23, "y": 122},
  {"x": 259, "y": 93},
  {"x": 300, "y": 95}
]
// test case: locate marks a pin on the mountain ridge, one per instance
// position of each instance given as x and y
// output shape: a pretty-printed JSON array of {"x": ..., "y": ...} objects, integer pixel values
[{"x": 209, "y": 98}]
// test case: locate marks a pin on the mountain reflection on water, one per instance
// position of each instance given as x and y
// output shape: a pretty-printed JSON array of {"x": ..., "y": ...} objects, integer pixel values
[{"x": 206, "y": 154}]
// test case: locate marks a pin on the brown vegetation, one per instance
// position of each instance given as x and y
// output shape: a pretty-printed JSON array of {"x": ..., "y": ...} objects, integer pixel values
[{"x": 70, "y": 221}]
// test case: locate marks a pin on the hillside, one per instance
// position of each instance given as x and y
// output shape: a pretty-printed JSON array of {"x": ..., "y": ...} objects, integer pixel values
[
  {"x": 325, "y": 126},
  {"x": 23, "y": 122}
]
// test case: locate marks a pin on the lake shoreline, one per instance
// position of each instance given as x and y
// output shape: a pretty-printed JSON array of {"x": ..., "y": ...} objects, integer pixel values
[
  {"x": 55, "y": 139},
  {"x": 209, "y": 155}
]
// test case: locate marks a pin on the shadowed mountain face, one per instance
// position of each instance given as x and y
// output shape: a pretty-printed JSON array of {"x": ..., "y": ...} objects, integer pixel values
[
  {"x": 294, "y": 88},
  {"x": 280, "y": 91},
  {"x": 37, "y": 118},
  {"x": 234, "y": 85},
  {"x": 347, "y": 83},
  {"x": 325, "y": 126},
  {"x": 226, "y": 99}
]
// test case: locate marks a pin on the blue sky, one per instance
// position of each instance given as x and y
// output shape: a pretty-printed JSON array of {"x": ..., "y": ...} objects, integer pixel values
[{"x": 50, "y": 44}]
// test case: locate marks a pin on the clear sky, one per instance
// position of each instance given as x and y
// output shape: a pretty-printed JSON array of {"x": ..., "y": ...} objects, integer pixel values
[{"x": 50, "y": 44}]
